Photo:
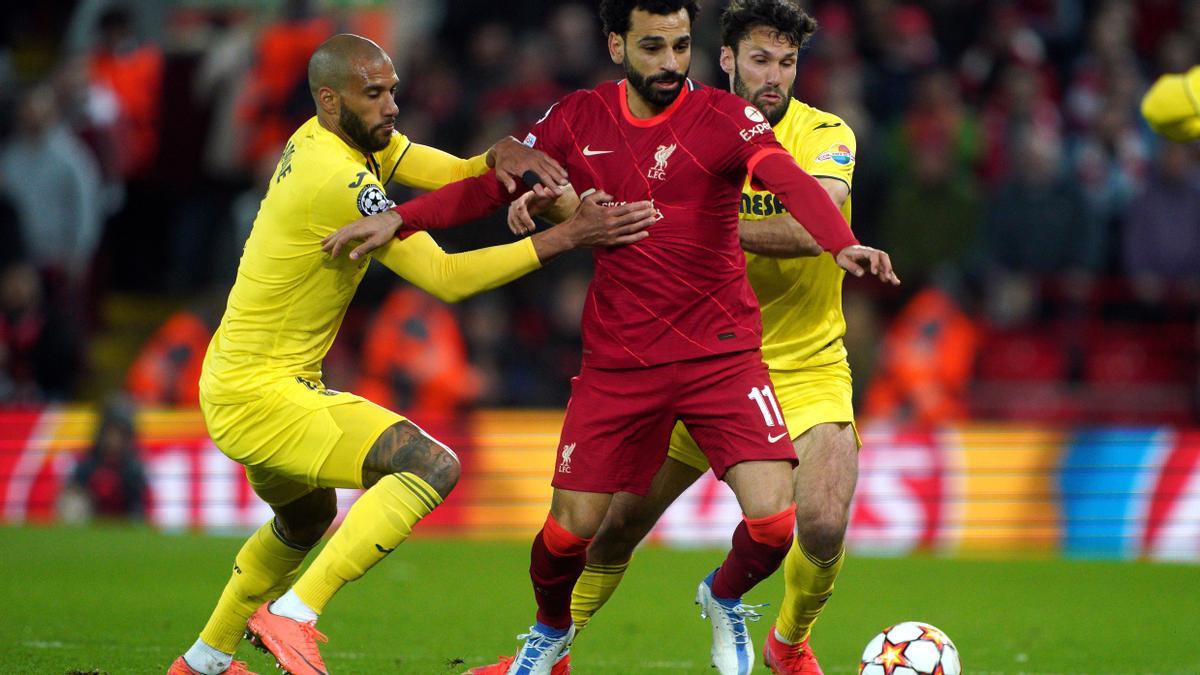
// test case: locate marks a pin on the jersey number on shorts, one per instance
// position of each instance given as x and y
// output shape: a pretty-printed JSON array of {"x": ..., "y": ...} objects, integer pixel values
[{"x": 763, "y": 396}]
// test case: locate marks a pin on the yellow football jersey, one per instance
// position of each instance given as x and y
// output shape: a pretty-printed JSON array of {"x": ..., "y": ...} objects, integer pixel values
[
  {"x": 801, "y": 298},
  {"x": 289, "y": 297}
]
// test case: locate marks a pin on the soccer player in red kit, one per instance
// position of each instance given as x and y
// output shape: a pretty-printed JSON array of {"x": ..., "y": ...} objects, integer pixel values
[{"x": 671, "y": 327}]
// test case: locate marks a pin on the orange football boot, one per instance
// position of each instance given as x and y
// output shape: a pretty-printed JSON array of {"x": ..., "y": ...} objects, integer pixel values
[
  {"x": 797, "y": 659},
  {"x": 292, "y": 643}
]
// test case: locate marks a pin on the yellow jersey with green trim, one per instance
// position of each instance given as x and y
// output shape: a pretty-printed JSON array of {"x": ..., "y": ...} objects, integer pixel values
[
  {"x": 289, "y": 297},
  {"x": 801, "y": 298}
]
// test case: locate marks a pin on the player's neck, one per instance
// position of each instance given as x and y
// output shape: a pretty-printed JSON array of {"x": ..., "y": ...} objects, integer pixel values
[{"x": 333, "y": 128}]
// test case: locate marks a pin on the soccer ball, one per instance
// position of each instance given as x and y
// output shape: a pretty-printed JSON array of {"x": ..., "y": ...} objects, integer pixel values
[{"x": 910, "y": 648}]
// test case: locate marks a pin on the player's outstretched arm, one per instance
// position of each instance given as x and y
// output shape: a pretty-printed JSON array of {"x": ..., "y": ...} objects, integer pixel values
[
  {"x": 472, "y": 198},
  {"x": 781, "y": 236},
  {"x": 454, "y": 277},
  {"x": 801, "y": 193}
]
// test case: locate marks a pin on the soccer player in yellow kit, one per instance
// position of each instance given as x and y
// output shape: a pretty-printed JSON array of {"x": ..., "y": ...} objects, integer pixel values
[
  {"x": 1172, "y": 105},
  {"x": 260, "y": 389},
  {"x": 800, "y": 291}
]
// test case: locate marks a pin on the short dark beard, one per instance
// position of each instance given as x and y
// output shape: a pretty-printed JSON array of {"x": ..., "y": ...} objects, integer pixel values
[
  {"x": 356, "y": 129},
  {"x": 644, "y": 86},
  {"x": 776, "y": 114}
]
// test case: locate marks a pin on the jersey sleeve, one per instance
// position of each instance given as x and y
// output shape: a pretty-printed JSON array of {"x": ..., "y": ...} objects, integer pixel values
[
  {"x": 428, "y": 168},
  {"x": 829, "y": 153},
  {"x": 347, "y": 195},
  {"x": 742, "y": 136},
  {"x": 456, "y": 276},
  {"x": 552, "y": 134}
]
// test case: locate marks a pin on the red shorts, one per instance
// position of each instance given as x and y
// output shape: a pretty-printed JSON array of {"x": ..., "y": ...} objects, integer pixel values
[{"x": 619, "y": 422}]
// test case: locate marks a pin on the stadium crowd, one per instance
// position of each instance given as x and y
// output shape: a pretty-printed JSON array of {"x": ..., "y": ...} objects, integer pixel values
[{"x": 1047, "y": 238}]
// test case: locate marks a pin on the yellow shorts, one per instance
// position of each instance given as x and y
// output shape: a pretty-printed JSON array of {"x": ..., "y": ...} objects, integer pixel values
[
  {"x": 807, "y": 398},
  {"x": 298, "y": 436}
]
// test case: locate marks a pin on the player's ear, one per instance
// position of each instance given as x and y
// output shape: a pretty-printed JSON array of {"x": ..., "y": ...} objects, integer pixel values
[
  {"x": 616, "y": 48},
  {"x": 328, "y": 100},
  {"x": 728, "y": 60}
]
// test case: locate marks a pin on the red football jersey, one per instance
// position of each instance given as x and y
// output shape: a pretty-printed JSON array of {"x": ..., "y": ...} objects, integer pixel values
[{"x": 682, "y": 292}]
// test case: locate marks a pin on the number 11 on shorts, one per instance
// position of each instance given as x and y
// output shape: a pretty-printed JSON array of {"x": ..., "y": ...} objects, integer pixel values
[{"x": 762, "y": 396}]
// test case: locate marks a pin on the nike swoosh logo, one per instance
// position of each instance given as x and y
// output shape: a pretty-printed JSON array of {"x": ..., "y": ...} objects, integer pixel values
[
  {"x": 310, "y": 665},
  {"x": 384, "y": 550},
  {"x": 772, "y": 439},
  {"x": 827, "y": 125},
  {"x": 588, "y": 151}
]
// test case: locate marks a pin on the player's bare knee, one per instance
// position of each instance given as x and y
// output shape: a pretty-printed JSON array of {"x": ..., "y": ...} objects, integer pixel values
[
  {"x": 822, "y": 538},
  {"x": 443, "y": 472},
  {"x": 303, "y": 522},
  {"x": 615, "y": 541},
  {"x": 405, "y": 448}
]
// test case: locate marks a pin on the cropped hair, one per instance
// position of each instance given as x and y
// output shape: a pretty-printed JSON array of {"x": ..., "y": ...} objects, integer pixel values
[
  {"x": 742, "y": 16},
  {"x": 615, "y": 14}
]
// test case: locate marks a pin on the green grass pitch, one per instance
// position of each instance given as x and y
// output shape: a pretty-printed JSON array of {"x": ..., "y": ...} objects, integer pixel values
[{"x": 128, "y": 600}]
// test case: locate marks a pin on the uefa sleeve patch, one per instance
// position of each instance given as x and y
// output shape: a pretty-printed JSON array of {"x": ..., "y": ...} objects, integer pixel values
[
  {"x": 372, "y": 200},
  {"x": 838, "y": 153}
]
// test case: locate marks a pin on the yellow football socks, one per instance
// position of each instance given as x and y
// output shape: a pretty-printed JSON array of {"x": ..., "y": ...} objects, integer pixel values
[
  {"x": 379, "y": 521},
  {"x": 263, "y": 570},
  {"x": 808, "y": 583},
  {"x": 594, "y": 587}
]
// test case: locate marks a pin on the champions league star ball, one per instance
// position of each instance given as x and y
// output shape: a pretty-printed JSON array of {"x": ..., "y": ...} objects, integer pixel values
[{"x": 910, "y": 648}]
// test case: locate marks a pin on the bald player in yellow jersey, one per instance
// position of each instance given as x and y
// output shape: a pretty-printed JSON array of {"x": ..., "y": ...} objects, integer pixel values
[
  {"x": 800, "y": 292},
  {"x": 261, "y": 392},
  {"x": 1172, "y": 106}
]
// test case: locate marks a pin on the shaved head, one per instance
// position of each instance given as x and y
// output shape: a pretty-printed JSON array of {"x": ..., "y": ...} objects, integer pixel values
[
  {"x": 340, "y": 60},
  {"x": 353, "y": 84}
]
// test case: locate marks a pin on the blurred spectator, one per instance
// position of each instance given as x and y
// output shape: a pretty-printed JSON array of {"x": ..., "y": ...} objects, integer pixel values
[
  {"x": 925, "y": 367},
  {"x": 276, "y": 99},
  {"x": 932, "y": 217},
  {"x": 133, "y": 72},
  {"x": 938, "y": 117},
  {"x": 413, "y": 358},
  {"x": 52, "y": 179},
  {"x": 575, "y": 47},
  {"x": 1036, "y": 222},
  {"x": 110, "y": 480},
  {"x": 907, "y": 47},
  {"x": 1020, "y": 105},
  {"x": 527, "y": 91},
  {"x": 1162, "y": 233},
  {"x": 167, "y": 370},
  {"x": 39, "y": 347}
]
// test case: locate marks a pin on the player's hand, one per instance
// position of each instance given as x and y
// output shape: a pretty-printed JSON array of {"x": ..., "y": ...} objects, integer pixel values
[
  {"x": 522, "y": 211},
  {"x": 373, "y": 231},
  {"x": 594, "y": 225},
  {"x": 512, "y": 160},
  {"x": 857, "y": 260}
]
